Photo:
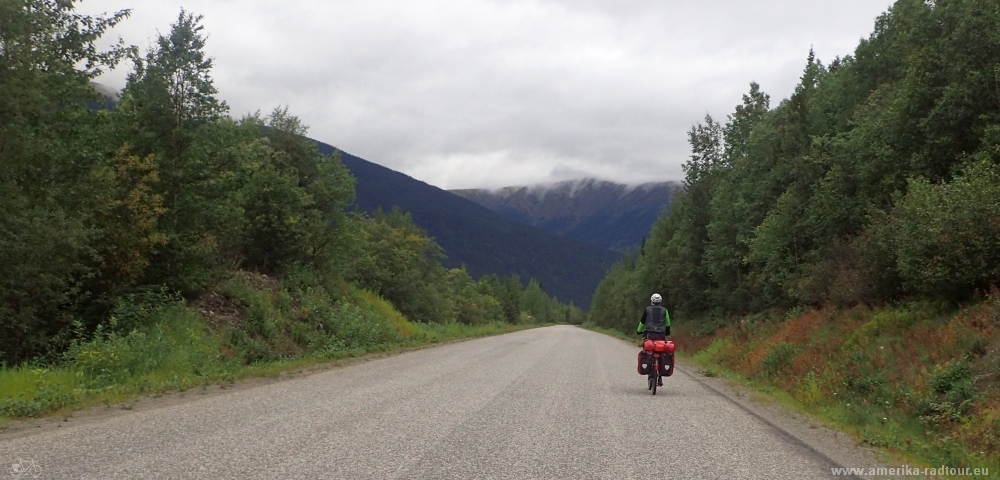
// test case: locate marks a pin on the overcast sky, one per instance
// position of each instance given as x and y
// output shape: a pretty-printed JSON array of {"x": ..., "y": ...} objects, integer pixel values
[{"x": 491, "y": 93}]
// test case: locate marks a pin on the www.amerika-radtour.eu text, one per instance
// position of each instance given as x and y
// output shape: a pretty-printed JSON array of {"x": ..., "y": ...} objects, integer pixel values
[{"x": 906, "y": 470}]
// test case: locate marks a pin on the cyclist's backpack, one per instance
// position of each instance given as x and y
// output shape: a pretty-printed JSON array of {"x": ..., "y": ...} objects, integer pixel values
[{"x": 643, "y": 363}]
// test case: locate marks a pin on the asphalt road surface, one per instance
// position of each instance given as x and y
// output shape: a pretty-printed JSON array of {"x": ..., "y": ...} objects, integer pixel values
[{"x": 549, "y": 403}]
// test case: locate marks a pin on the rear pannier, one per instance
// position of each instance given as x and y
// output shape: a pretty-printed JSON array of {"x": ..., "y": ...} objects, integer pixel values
[
  {"x": 643, "y": 363},
  {"x": 666, "y": 365}
]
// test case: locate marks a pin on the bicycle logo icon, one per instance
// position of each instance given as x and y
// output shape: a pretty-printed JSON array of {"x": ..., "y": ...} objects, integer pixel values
[{"x": 25, "y": 467}]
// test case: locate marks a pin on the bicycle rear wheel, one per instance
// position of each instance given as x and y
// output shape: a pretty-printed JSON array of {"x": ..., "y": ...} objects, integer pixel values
[{"x": 655, "y": 377}]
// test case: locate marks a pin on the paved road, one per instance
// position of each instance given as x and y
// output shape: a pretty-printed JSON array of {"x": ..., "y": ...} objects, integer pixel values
[{"x": 500, "y": 407}]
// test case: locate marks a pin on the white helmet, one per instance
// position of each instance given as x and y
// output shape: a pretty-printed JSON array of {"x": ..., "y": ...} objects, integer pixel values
[{"x": 656, "y": 299}]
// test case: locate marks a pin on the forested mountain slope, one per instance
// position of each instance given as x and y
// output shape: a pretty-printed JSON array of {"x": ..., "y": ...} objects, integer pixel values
[
  {"x": 482, "y": 240},
  {"x": 607, "y": 214}
]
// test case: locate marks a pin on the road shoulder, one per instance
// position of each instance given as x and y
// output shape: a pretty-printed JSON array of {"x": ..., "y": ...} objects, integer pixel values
[{"x": 836, "y": 446}]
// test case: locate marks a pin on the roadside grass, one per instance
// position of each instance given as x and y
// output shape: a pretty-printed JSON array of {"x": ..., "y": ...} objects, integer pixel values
[
  {"x": 254, "y": 327},
  {"x": 915, "y": 380}
]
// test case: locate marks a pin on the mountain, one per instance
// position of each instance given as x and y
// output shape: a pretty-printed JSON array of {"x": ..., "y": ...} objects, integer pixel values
[
  {"x": 108, "y": 92},
  {"x": 111, "y": 97},
  {"x": 484, "y": 241},
  {"x": 470, "y": 234},
  {"x": 607, "y": 214}
]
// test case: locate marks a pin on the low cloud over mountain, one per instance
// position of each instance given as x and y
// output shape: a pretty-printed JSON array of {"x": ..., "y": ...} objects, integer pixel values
[{"x": 607, "y": 214}]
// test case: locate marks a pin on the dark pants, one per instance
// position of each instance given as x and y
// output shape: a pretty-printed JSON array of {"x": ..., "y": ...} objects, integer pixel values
[{"x": 658, "y": 336}]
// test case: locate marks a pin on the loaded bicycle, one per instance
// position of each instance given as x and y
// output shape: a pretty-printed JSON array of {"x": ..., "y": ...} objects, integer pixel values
[{"x": 656, "y": 360}]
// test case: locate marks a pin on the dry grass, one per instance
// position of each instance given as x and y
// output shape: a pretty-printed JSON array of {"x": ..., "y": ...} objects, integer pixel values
[{"x": 872, "y": 371}]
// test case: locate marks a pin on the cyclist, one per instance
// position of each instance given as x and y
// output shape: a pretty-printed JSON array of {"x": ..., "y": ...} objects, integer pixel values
[{"x": 655, "y": 323}]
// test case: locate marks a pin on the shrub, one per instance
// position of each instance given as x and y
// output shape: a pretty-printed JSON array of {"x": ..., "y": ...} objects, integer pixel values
[
  {"x": 176, "y": 342},
  {"x": 950, "y": 376},
  {"x": 138, "y": 309},
  {"x": 945, "y": 235},
  {"x": 952, "y": 395},
  {"x": 777, "y": 358},
  {"x": 868, "y": 386}
]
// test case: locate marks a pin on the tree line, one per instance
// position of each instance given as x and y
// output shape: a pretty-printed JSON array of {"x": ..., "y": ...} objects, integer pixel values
[
  {"x": 876, "y": 180},
  {"x": 166, "y": 191}
]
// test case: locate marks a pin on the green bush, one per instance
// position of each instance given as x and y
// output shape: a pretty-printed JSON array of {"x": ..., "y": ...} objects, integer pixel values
[
  {"x": 951, "y": 376},
  {"x": 869, "y": 386},
  {"x": 952, "y": 395},
  {"x": 945, "y": 235},
  {"x": 177, "y": 342},
  {"x": 309, "y": 320},
  {"x": 778, "y": 358},
  {"x": 137, "y": 309}
]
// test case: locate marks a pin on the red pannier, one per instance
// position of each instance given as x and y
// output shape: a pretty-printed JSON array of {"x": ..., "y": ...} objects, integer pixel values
[
  {"x": 659, "y": 346},
  {"x": 644, "y": 362},
  {"x": 665, "y": 349},
  {"x": 667, "y": 365}
]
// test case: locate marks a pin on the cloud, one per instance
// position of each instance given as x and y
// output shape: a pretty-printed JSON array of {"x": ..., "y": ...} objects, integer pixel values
[{"x": 487, "y": 93}]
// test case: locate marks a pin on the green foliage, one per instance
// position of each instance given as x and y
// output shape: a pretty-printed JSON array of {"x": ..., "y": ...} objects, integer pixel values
[
  {"x": 617, "y": 302},
  {"x": 899, "y": 377},
  {"x": 175, "y": 349},
  {"x": 49, "y": 146},
  {"x": 169, "y": 110},
  {"x": 133, "y": 311},
  {"x": 273, "y": 207},
  {"x": 951, "y": 377},
  {"x": 177, "y": 342},
  {"x": 952, "y": 396},
  {"x": 40, "y": 390},
  {"x": 874, "y": 181},
  {"x": 400, "y": 263},
  {"x": 129, "y": 217},
  {"x": 305, "y": 319},
  {"x": 110, "y": 218},
  {"x": 472, "y": 307},
  {"x": 317, "y": 190},
  {"x": 778, "y": 358},
  {"x": 535, "y": 303},
  {"x": 944, "y": 236}
]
